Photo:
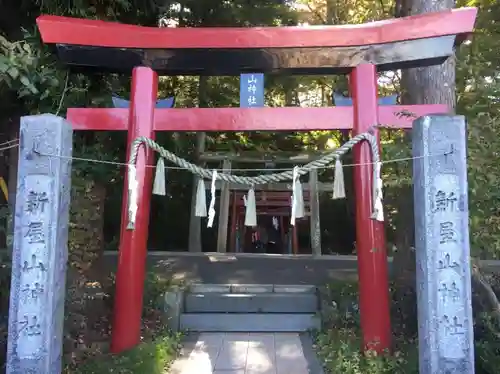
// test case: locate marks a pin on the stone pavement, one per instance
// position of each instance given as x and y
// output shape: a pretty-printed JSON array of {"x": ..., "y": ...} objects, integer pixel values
[{"x": 247, "y": 353}]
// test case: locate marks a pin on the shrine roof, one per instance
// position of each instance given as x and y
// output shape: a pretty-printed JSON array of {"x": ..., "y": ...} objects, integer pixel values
[{"x": 420, "y": 40}]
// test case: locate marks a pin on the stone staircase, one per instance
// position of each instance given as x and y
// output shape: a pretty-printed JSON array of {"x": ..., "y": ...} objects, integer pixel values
[{"x": 243, "y": 308}]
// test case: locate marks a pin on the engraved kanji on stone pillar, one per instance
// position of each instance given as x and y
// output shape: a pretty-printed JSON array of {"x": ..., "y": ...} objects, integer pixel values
[
  {"x": 446, "y": 343},
  {"x": 40, "y": 251}
]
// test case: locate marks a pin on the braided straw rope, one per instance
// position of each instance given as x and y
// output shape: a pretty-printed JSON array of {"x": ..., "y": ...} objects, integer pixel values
[{"x": 250, "y": 181}]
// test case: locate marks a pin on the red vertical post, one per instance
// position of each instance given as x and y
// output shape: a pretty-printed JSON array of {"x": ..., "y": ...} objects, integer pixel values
[
  {"x": 370, "y": 235},
  {"x": 130, "y": 275}
]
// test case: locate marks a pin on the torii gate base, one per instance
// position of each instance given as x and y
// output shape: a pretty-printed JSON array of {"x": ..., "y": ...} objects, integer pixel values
[{"x": 406, "y": 42}]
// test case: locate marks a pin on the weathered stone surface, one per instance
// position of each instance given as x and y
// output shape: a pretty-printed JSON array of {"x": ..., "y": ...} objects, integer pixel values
[
  {"x": 251, "y": 288},
  {"x": 442, "y": 245},
  {"x": 249, "y": 322},
  {"x": 173, "y": 308},
  {"x": 260, "y": 302},
  {"x": 36, "y": 314}
]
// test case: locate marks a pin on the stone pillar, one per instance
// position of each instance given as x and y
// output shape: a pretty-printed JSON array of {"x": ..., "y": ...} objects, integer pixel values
[
  {"x": 40, "y": 251},
  {"x": 446, "y": 343}
]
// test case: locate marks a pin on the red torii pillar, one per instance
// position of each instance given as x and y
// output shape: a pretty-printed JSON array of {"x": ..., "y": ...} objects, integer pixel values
[
  {"x": 124, "y": 47},
  {"x": 370, "y": 234},
  {"x": 130, "y": 275}
]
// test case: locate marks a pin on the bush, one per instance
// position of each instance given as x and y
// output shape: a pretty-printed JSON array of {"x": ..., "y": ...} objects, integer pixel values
[
  {"x": 5, "y": 272},
  {"x": 487, "y": 345},
  {"x": 338, "y": 343},
  {"x": 487, "y": 328},
  {"x": 90, "y": 353},
  {"x": 339, "y": 349},
  {"x": 483, "y": 176},
  {"x": 151, "y": 357}
]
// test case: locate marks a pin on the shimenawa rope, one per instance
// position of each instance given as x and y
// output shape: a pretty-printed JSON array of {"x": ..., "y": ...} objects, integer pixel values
[{"x": 250, "y": 181}]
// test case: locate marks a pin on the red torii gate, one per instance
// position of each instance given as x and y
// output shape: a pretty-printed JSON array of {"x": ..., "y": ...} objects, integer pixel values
[{"x": 357, "y": 50}]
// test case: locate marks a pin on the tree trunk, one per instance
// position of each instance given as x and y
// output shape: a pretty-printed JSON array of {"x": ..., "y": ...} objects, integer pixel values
[
  {"x": 430, "y": 85},
  {"x": 435, "y": 84}
]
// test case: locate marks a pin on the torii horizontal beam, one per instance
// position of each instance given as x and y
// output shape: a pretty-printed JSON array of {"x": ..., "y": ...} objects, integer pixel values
[
  {"x": 273, "y": 157},
  {"x": 249, "y": 119},
  {"x": 277, "y": 187},
  {"x": 390, "y": 44},
  {"x": 278, "y": 212}
]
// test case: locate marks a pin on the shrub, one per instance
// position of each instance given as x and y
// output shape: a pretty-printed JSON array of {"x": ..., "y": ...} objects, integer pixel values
[{"x": 338, "y": 343}]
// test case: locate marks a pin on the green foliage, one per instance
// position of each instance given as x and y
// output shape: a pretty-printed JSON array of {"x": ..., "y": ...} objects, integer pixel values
[
  {"x": 340, "y": 305},
  {"x": 478, "y": 63},
  {"x": 152, "y": 357},
  {"x": 28, "y": 69},
  {"x": 487, "y": 348},
  {"x": 16, "y": 63},
  {"x": 5, "y": 272},
  {"x": 155, "y": 287},
  {"x": 484, "y": 176},
  {"x": 338, "y": 343},
  {"x": 339, "y": 350},
  {"x": 5, "y": 266},
  {"x": 5, "y": 276},
  {"x": 158, "y": 345},
  {"x": 478, "y": 88}
]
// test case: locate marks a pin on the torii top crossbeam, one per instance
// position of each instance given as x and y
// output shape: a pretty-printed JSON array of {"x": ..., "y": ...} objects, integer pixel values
[
  {"x": 391, "y": 44},
  {"x": 397, "y": 43}
]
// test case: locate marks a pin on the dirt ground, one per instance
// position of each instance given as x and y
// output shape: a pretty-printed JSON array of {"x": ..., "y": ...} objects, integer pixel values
[{"x": 88, "y": 313}]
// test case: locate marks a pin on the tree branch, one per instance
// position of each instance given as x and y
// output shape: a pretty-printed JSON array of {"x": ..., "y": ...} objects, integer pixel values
[
  {"x": 316, "y": 13},
  {"x": 480, "y": 282}
]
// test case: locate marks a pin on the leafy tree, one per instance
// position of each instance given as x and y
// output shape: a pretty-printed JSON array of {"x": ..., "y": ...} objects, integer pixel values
[{"x": 429, "y": 85}]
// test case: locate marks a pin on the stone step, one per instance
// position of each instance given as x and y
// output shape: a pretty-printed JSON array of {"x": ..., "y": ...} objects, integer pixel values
[
  {"x": 251, "y": 288},
  {"x": 251, "y": 322},
  {"x": 269, "y": 302}
]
